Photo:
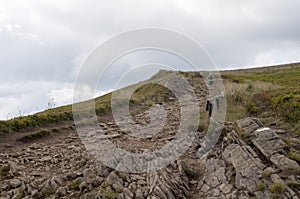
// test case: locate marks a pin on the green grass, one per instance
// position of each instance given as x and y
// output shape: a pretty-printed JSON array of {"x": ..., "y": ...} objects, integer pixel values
[
  {"x": 277, "y": 188},
  {"x": 294, "y": 156},
  {"x": 31, "y": 122},
  {"x": 293, "y": 184},
  {"x": 261, "y": 186},
  {"x": 285, "y": 75},
  {"x": 285, "y": 103},
  {"x": 45, "y": 132},
  {"x": 272, "y": 91},
  {"x": 109, "y": 194},
  {"x": 36, "y": 135},
  {"x": 266, "y": 174},
  {"x": 75, "y": 184},
  {"x": 150, "y": 93}
]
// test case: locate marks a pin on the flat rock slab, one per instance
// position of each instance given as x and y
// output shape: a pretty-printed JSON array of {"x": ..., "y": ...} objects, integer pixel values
[
  {"x": 246, "y": 166},
  {"x": 284, "y": 163},
  {"x": 268, "y": 142},
  {"x": 249, "y": 124}
]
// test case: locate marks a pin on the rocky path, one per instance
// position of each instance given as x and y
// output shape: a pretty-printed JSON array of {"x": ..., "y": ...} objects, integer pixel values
[
  {"x": 249, "y": 161},
  {"x": 62, "y": 168}
]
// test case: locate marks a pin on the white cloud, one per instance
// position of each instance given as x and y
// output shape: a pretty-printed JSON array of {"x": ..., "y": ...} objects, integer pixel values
[
  {"x": 62, "y": 95},
  {"x": 43, "y": 43},
  {"x": 32, "y": 96},
  {"x": 283, "y": 54}
]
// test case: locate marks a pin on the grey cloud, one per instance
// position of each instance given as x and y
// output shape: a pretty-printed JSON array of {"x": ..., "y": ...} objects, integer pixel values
[{"x": 50, "y": 37}]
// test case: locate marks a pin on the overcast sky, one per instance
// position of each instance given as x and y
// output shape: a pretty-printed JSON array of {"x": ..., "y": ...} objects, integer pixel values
[{"x": 43, "y": 43}]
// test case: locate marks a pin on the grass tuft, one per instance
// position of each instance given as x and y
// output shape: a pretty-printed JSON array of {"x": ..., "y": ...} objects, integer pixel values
[
  {"x": 261, "y": 186},
  {"x": 109, "y": 194},
  {"x": 75, "y": 184},
  {"x": 277, "y": 188},
  {"x": 294, "y": 156},
  {"x": 36, "y": 135}
]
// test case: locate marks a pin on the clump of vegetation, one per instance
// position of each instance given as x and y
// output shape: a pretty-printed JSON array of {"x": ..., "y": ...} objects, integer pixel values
[
  {"x": 54, "y": 130},
  {"x": 233, "y": 78},
  {"x": 150, "y": 93},
  {"x": 36, "y": 135},
  {"x": 44, "y": 132},
  {"x": 249, "y": 87},
  {"x": 20, "y": 195},
  {"x": 272, "y": 90},
  {"x": 109, "y": 194},
  {"x": 287, "y": 141},
  {"x": 286, "y": 104},
  {"x": 294, "y": 156},
  {"x": 31, "y": 122},
  {"x": 252, "y": 108},
  {"x": 266, "y": 174},
  {"x": 261, "y": 186},
  {"x": 102, "y": 109},
  {"x": 65, "y": 128},
  {"x": 45, "y": 193},
  {"x": 293, "y": 184},
  {"x": 4, "y": 170},
  {"x": 75, "y": 184},
  {"x": 277, "y": 188}
]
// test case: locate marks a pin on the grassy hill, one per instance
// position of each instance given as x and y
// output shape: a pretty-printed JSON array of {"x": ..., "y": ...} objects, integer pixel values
[{"x": 269, "y": 93}]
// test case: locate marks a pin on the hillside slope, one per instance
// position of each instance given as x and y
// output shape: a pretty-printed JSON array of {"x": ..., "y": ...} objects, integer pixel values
[{"x": 42, "y": 155}]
